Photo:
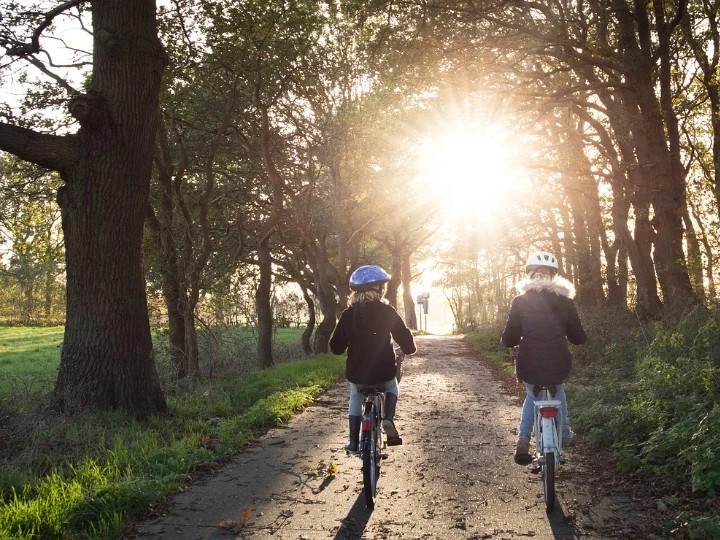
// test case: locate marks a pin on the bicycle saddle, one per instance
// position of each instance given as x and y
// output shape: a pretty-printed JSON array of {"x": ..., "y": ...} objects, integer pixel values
[{"x": 551, "y": 388}]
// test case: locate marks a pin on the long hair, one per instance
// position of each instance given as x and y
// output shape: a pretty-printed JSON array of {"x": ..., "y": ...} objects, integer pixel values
[{"x": 371, "y": 295}]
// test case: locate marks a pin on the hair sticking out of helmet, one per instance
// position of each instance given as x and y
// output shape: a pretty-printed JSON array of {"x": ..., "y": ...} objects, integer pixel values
[
  {"x": 368, "y": 277},
  {"x": 542, "y": 261}
]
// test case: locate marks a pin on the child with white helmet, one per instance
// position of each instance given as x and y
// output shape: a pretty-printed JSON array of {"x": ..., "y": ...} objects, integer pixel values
[
  {"x": 366, "y": 329},
  {"x": 541, "y": 321}
]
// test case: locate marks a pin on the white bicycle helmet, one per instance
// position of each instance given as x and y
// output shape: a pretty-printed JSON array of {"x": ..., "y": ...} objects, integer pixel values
[{"x": 541, "y": 259}]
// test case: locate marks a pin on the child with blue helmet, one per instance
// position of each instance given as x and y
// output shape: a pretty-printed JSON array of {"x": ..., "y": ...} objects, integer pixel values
[{"x": 366, "y": 330}]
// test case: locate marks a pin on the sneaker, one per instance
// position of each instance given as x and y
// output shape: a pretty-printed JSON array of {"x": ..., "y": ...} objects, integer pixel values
[
  {"x": 522, "y": 446},
  {"x": 522, "y": 451},
  {"x": 352, "y": 448},
  {"x": 390, "y": 429}
]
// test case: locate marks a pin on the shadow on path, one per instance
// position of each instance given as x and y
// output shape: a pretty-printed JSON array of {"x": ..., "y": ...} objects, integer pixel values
[{"x": 355, "y": 523}]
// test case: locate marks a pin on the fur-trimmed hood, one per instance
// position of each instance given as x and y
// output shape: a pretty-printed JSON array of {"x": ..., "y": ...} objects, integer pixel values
[{"x": 557, "y": 285}]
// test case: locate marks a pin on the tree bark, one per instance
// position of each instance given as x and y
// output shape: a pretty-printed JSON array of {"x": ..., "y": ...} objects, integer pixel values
[
  {"x": 408, "y": 300},
  {"x": 107, "y": 356},
  {"x": 263, "y": 307},
  {"x": 310, "y": 326},
  {"x": 391, "y": 295},
  {"x": 327, "y": 301}
]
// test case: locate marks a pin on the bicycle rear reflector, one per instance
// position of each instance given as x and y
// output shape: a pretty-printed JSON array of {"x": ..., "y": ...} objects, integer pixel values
[
  {"x": 367, "y": 425},
  {"x": 547, "y": 412}
]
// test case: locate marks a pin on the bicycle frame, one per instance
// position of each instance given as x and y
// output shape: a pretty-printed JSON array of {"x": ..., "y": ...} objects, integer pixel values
[{"x": 548, "y": 443}]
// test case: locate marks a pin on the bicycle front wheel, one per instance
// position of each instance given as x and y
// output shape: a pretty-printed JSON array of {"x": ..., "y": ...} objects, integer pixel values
[
  {"x": 548, "y": 472},
  {"x": 371, "y": 468}
]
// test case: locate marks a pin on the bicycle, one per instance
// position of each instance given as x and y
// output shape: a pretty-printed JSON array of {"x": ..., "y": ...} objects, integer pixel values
[
  {"x": 372, "y": 440},
  {"x": 548, "y": 440}
]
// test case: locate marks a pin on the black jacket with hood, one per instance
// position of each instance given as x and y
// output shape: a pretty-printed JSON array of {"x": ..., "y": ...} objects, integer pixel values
[
  {"x": 365, "y": 329},
  {"x": 542, "y": 320}
]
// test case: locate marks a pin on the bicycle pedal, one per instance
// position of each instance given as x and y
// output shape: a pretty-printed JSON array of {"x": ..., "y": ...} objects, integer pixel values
[{"x": 397, "y": 441}]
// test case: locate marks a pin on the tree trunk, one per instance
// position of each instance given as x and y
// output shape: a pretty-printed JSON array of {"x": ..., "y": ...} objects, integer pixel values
[
  {"x": 263, "y": 307},
  {"x": 710, "y": 266},
  {"x": 310, "y": 326},
  {"x": 395, "y": 278},
  {"x": 191, "y": 359},
  {"x": 107, "y": 356},
  {"x": 694, "y": 256},
  {"x": 328, "y": 306},
  {"x": 176, "y": 326},
  {"x": 408, "y": 300}
]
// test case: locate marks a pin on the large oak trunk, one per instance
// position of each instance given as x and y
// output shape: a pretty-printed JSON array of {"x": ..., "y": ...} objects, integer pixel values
[{"x": 107, "y": 356}]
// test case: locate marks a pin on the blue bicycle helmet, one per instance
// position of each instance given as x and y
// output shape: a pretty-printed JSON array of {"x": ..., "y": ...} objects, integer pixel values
[{"x": 368, "y": 277}]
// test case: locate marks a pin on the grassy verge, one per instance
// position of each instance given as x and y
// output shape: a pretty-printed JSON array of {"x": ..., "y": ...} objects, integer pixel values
[
  {"x": 85, "y": 476},
  {"x": 29, "y": 357},
  {"x": 488, "y": 342},
  {"x": 651, "y": 394}
]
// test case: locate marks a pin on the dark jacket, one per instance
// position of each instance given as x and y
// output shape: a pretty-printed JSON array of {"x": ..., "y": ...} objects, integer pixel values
[
  {"x": 365, "y": 329},
  {"x": 542, "y": 320}
]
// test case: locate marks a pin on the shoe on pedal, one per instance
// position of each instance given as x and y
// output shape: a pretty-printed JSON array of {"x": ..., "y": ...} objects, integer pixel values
[
  {"x": 393, "y": 437},
  {"x": 352, "y": 449},
  {"x": 522, "y": 451}
]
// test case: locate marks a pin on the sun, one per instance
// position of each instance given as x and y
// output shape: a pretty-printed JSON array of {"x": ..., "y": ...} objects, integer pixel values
[{"x": 471, "y": 174}]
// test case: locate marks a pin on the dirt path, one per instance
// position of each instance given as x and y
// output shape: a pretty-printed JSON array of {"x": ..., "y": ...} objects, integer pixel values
[{"x": 452, "y": 478}]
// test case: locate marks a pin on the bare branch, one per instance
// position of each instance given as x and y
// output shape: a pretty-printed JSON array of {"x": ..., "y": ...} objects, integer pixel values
[
  {"x": 34, "y": 46},
  {"x": 61, "y": 82}
]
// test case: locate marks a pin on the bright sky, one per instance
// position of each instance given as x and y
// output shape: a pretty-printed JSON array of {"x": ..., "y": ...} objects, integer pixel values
[
  {"x": 475, "y": 173},
  {"x": 472, "y": 173}
]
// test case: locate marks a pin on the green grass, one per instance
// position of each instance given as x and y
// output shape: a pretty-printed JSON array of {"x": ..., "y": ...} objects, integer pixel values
[
  {"x": 29, "y": 358},
  {"x": 488, "y": 342},
  {"x": 86, "y": 476}
]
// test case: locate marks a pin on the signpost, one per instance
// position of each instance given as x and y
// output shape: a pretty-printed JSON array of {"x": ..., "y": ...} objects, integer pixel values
[{"x": 423, "y": 300}]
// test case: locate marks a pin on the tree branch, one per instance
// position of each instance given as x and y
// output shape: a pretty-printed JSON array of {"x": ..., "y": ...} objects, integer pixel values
[
  {"x": 34, "y": 46},
  {"x": 61, "y": 82},
  {"x": 53, "y": 152}
]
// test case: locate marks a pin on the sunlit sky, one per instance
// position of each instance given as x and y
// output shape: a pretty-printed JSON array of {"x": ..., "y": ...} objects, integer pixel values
[{"x": 472, "y": 172}]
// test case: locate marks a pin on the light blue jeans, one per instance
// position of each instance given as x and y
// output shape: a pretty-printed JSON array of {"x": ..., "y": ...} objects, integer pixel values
[
  {"x": 356, "y": 397},
  {"x": 528, "y": 411}
]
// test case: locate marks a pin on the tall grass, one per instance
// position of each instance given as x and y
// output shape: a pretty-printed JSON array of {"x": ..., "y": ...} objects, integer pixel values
[{"x": 85, "y": 476}]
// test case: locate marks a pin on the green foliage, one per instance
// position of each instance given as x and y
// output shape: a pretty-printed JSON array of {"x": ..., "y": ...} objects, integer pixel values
[
  {"x": 657, "y": 406},
  {"x": 652, "y": 394},
  {"x": 488, "y": 342},
  {"x": 121, "y": 466}
]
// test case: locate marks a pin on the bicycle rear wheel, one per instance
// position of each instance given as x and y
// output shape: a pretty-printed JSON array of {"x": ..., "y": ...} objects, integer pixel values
[{"x": 548, "y": 472}]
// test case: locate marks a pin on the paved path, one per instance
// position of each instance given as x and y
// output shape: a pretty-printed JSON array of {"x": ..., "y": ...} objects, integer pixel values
[{"x": 452, "y": 478}]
